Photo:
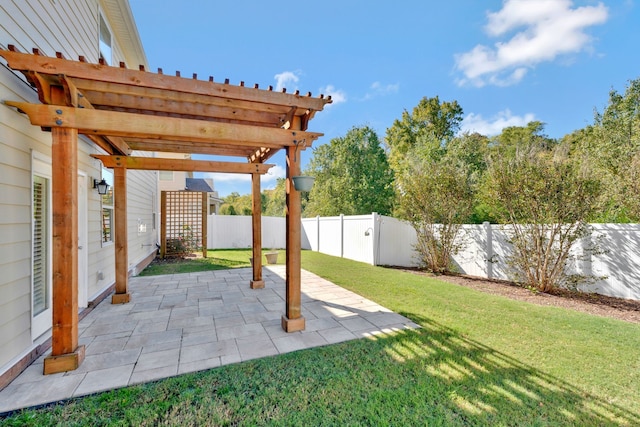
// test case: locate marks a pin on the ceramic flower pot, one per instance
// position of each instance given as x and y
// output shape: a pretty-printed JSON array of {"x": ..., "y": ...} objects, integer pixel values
[{"x": 272, "y": 257}]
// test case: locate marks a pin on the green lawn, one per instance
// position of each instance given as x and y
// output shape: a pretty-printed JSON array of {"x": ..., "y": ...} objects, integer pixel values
[
  {"x": 219, "y": 259},
  {"x": 479, "y": 359}
]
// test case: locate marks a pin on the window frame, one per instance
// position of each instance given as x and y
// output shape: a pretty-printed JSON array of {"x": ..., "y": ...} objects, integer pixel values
[
  {"x": 106, "y": 55},
  {"x": 107, "y": 210},
  {"x": 41, "y": 322},
  {"x": 166, "y": 174}
]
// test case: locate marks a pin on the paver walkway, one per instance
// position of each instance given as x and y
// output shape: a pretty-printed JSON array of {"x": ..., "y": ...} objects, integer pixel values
[{"x": 183, "y": 323}]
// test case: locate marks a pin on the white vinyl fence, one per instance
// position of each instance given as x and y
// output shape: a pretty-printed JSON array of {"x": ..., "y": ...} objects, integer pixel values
[
  {"x": 382, "y": 240},
  {"x": 487, "y": 248},
  {"x": 234, "y": 231},
  {"x": 374, "y": 239}
]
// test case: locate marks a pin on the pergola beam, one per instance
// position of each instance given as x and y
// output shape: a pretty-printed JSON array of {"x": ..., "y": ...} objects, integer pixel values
[
  {"x": 102, "y": 142},
  {"x": 186, "y": 165},
  {"x": 73, "y": 98},
  {"x": 136, "y": 78},
  {"x": 111, "y": 123}
]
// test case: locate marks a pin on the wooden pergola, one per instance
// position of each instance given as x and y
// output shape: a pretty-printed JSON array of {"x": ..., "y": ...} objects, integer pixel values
[{"x": 122, "y": 110}]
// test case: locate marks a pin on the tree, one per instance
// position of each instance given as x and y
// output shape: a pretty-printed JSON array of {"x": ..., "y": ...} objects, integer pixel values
[
  {"x": 433, "y": 177},
  {"x": 612, "y": 145},
  {"x": 275, "y": 200},
  {"x": 228, "y": 210},
  {"x": 472, "y": 150},
  {"x": 546, "y": 199},
  {"x": 436, "y": 196},
  {"x": 633, "y": 180},
  {"x": 235, "y": 204},
  {"x": 430, "y": 122},
  {"x": 514, "y": 137},
  {"x": 352, "y": 176},
  {"x": 506, "y": 145}
]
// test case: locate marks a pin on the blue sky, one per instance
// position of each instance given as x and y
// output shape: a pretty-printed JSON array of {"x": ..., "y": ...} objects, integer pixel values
[{"x": 505, "y": 62}]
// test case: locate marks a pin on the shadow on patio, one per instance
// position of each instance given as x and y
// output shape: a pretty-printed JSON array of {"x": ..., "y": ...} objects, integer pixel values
[{"x": 183, "y": 323}]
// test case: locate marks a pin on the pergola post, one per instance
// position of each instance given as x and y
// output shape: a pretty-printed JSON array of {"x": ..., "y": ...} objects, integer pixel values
[
  {"x": 292, "y": 320},
  {"x": 122, "y": 295},
  {"x": 66, "y": 354},
  {"x": 256, "y": 217},
  {"x": 204, "y": 229},
  {"x": 163, "y": 224}
]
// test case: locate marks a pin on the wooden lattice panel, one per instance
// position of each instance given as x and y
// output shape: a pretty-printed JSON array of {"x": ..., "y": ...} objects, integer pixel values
[{"x": 184, "y": 223}]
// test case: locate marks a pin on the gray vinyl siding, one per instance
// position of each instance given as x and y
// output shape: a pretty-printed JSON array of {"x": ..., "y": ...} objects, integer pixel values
[
  {"x": 61, "y": 26},
  {"x": 69, "y": 27},
  {"x": 17, "y": 138}
]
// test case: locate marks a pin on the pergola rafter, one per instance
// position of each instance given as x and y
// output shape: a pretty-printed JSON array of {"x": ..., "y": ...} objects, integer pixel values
[
  {"x": 124, "y": 81},
  {"x": 145, "y": 144},
  {"x": 123, "y": 110}
]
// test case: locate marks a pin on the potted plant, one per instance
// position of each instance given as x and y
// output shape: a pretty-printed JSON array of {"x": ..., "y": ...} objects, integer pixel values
[{"x": 272, "y": 256}]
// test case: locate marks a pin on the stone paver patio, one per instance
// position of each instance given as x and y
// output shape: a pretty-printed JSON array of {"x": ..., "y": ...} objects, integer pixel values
[{"x": 190, "y": 322}]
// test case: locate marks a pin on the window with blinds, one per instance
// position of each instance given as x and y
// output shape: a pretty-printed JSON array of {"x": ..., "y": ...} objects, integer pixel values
[{"x": 40, "y": 243}]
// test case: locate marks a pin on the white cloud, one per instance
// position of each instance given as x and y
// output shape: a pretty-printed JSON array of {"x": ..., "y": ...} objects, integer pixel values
[
  {"x": 229, "y": 177},
  {"x": 286, "y": 78},
  {"x": 290, "y": 79},
  {"x": 338, "y": 95},
  {"x": 242, "y": 178},
  {"x": 385, "y": 89},
  {"x": 379, "y": 89},
  {"x": 548, "y": 28},
  {"x": 493, "y": 126},
  {"x": 274, "y": 173}
]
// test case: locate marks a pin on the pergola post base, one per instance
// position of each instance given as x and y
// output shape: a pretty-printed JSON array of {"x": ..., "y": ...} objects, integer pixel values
[
  {"x": 293, "y": 325},
  {"x": 64, "y": 362},
  {"x": 256, "y": 284},
  {"x": 121, "y": 298}
]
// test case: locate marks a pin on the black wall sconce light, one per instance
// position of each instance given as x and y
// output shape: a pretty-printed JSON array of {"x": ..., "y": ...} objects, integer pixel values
[{"x": 102, "y": 186}]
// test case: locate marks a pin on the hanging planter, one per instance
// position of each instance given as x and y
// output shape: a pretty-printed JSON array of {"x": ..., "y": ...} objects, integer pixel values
[{"x": 303, "y": 183}]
